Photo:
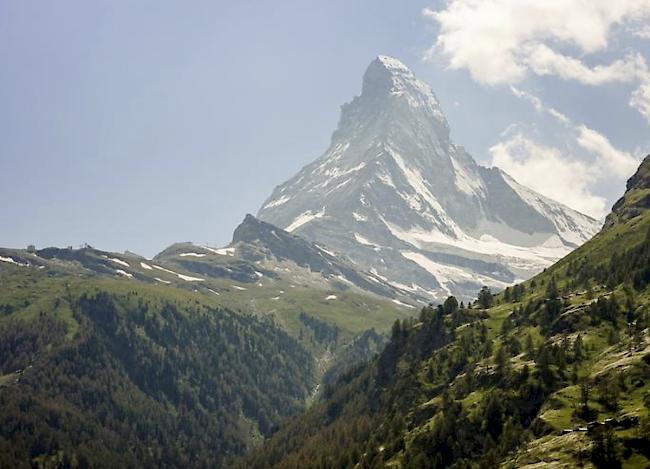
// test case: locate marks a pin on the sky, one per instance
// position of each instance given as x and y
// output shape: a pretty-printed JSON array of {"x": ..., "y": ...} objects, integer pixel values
[{"x": 133, "y": 125}]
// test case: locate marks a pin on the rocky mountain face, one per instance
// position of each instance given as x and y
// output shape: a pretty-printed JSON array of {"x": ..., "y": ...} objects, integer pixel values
[
  {"x": 636, "y": 199},
  {"x": 264, "y": 244},
  {"x": 395, "y": 195}
]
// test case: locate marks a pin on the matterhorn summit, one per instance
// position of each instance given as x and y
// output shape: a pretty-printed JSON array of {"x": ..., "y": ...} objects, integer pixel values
[{"x": 398, "y": 198}]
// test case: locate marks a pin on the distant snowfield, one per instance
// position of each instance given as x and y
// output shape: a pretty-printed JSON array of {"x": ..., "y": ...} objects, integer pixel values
[
  {"x": 221, "y": 251},
  {"x": 304, "y": 218},
  {"x": 192, "y": 254},
  {"x": 361, "y": 240},
  {"x": 275, "y": 203},
  {"x": 115, "y": 260},
  {"x": 398, "y": 302},
  {"x": 577, "y": 229},
  {"x": 540, "y": 255},
  {"x": 447, "y": 275},
  {"x": 326, "y": 251},
  {"x": 12, "y": 261},
  {"x": 187, "y": 278},
  {"x": 359, "y": 217}
]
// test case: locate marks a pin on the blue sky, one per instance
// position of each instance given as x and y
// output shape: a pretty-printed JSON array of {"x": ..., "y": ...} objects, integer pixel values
[{"x": 133, "y": 125}]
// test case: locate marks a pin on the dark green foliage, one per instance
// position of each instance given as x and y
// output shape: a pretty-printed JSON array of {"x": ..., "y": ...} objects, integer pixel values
[
  {"x": 362, "y": 349},
  {"x": 552, "y": 291},
  {"x": 485, "y": 298},
  {"x": 608, "y": 392},
  {"x": 606, "y": 451},
  {"x": 145, "y": 384},
  {"x": 450, "y": 306},
  {"x": 323, "y": 332},
  {"x": 22, "y": 341},
  {"x": 629, "y": 266},
  {"x": 362, "y": 419}
]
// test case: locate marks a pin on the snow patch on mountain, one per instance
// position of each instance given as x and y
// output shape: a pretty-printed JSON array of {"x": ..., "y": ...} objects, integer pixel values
[
  {"x": 449, "y": 276},
  {"x": 10, "y": 260},
  {"x": 571, "y": 225},
  {"x": 227, "y": 251},
  {"x": 115, "y": 260},
  {"x": 275, "y": 203},
  {"x": 304, "y": 218}
]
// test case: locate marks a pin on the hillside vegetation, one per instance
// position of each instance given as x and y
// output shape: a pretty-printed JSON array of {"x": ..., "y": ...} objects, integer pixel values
[
  {"x": 554, "y": 372},
  {"x": 190, "y": 358},
  {"x": 108, "y": 373}
]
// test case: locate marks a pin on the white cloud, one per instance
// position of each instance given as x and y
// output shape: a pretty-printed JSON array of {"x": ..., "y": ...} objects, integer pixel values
[
  {"x": 545, "y": 170},
  {"x": 495, "y": 39},
  {"x": 545, "y": 61},
  {"x": 539, "y": 105},
  {"x": 501, "y": 41},
  {"x": 532, "y": 99},
  {"x": 642, "y": 31},
  {"x": 641, "y": 100},
  {"x": 523, "y": 159},
  {"x": 610, "y": 161}
]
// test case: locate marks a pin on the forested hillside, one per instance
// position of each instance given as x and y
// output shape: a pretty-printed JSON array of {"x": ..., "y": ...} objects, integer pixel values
[
  {"x": 102, "y": 373},
  {"x": 552, "y": 372},
  {"x": 190, "y": 358}
]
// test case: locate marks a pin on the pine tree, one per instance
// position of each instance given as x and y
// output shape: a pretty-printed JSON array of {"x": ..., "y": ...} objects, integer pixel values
[
  {"x": 485, "y": 298},
  {"x": 578, "y": 353},
  {"x": 450, "y": 305},
  {"x": 530, "y": 347},
  {"x": 552, "y": 291}
]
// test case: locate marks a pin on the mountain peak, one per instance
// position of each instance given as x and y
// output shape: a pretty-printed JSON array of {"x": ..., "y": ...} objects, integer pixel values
[
  {"x": 388, "y": 76},
  {"x": 395, "y": 195},
  {"x": 252, "y": 229},
  {"x": 392, "y": 65}
]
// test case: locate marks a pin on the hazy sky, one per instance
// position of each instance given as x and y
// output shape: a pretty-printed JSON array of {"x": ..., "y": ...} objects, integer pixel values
[{"x": 132, "y": 125}]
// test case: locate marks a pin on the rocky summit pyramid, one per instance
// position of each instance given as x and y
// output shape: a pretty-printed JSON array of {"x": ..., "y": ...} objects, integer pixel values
[{"x": 395, "y": 195}]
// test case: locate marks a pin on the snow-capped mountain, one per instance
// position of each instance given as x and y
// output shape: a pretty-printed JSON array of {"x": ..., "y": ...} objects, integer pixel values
[{"x": 395, "y": 195}]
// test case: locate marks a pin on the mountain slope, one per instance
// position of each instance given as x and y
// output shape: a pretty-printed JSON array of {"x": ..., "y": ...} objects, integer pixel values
[
  {"x": 265, "y": 271},
  {"x": 190, "y": 358},
  {"x": 554, "y": 372},
  {"x": 99, "y": 372},
  {"x": 398, "y": 197}
]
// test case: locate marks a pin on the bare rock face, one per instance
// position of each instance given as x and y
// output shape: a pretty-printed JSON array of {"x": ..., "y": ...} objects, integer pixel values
[
  {"x": 395, "y": 195},
  {"x": 636, "y": 199}
]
